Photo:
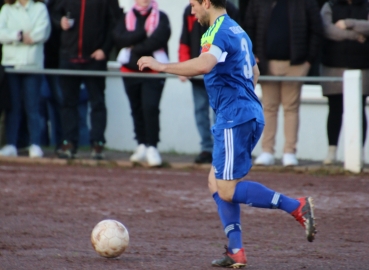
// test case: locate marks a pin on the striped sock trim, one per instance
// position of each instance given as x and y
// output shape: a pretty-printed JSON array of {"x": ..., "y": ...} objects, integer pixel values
[
  {"x": 232, "y": 227},
  {"x": 275, "y": 200}
]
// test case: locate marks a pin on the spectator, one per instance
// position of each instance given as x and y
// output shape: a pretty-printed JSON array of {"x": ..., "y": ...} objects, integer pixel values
[
  {"x": 346, "y": 47},
  {"x": 54, "y": 99},
  {"x": 4, "y": 103},
  {"x": 242, "y": 4},
  {"x": 1, "y": 4},
  {"x": 144, "y": 30},
  {"x": 286, "y": 37},
  {"x": 23, "y": 38},
  {"x": 190, "y": 48},
  {"x": 3, "y": 91},
  {"x": 85, "y": 45}
]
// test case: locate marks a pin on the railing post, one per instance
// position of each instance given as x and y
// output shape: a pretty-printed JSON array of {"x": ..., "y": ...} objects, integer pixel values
[{"x": 352, "y": 118}]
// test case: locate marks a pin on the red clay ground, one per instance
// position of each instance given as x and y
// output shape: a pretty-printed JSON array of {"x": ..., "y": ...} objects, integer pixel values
[{"x": 47, "y": 213}]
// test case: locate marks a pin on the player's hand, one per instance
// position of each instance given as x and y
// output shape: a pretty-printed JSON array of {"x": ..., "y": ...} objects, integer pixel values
[
  {"x": 149, "y": 62},
  {"x": 361, "y": 38},
  {"x": 182, "y": 78},
  {"x": 98, "y": 55},
  {"x": 341, "y": 24}
]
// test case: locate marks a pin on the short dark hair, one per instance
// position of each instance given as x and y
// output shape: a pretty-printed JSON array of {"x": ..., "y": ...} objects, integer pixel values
[
  {"x": 11, "y": 2},
  {"x": 216, "y": 3}
]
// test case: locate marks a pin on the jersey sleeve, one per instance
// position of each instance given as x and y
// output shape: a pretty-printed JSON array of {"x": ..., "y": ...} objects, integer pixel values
[
  {"x": 218, "y": 40},
  {"x": 214, "y": 36}
]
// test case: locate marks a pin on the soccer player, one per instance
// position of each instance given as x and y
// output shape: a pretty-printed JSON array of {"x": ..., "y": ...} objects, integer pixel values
[{"x": 231, "y": 74}]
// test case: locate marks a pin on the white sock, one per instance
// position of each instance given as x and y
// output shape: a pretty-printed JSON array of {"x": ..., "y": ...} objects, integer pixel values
[{"x": 235, "y": 250}]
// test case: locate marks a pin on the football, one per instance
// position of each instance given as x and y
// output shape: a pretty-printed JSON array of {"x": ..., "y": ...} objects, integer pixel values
[{"x": 109, "y": 238}]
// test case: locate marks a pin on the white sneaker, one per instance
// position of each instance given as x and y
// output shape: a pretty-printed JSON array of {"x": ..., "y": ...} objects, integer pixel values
[
  {"x": 35, "y": 151},
  {"x": 139, "y": 154},
  {"x": 153, "y": 157},
  {"x": 265, "y": 159},
  {"x": 289, "y": 159},
  {"x": 8, "y": 150},
  {"x": 331, "y": 155}
]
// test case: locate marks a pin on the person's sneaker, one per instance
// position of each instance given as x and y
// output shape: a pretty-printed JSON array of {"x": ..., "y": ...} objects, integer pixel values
[
  {"x": 265, "y": 159},
  {"x": 153, "y": 157},
  {"x": 289, "y": 159},
  {"x": 237, "y": 260},
  {"x": 9, "y": 150},
  {"x": 331, "y": 155},
  {"x": 35, "y": 151},
  {"x": 66, "y": 151},
  {"x": 139, "y": 154},
  {"x": 97, "y": 151},
  {"x": 204, "y": 157},
  {"x": 304, "y": 214}
]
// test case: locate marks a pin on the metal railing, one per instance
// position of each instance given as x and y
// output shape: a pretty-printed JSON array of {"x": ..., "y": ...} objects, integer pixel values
[
  {"x": 112, "y": 73},
  {"x": 351, "y": 80}
]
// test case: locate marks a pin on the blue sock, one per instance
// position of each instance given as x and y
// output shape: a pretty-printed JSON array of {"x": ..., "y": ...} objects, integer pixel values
[
  {"x": 229, "y": 214},
  {"x": 257, "y": 195}
]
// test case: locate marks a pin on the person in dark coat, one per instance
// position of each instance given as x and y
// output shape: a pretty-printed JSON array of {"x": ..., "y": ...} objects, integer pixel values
[
  {"x": 53, "y": 98},
  {"x": 286, "y": 35},
  {"x": 86, "y": 42},
  {"x": 346, "y": 47}
]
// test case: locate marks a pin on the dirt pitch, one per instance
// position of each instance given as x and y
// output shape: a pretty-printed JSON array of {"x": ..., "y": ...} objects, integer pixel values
[{"x": 47, "y": 213}]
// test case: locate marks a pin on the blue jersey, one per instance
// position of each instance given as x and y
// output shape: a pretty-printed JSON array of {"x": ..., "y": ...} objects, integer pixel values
[{"x": 230, "y": 83}]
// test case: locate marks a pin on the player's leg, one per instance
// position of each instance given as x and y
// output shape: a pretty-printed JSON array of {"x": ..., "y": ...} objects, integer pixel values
[
  {"x": 258, "y": 195},
  {"x": 240, "y": 142},
  {"x": 229, "y": 214}
]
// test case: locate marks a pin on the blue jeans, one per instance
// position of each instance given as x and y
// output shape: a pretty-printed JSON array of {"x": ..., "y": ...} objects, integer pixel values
[
  {"x": 202, "y": 117},
  {"x": 25, "y": 90}
]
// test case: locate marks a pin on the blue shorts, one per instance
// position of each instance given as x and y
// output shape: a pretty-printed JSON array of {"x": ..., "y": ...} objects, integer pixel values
[{"x": 232, "y": 149}]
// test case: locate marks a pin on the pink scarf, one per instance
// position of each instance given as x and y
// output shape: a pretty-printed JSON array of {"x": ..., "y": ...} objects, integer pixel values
[{"x": 152, "y": 20}]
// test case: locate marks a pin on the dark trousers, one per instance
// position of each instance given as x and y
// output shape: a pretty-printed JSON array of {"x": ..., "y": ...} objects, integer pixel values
[
  {"x": 53, "y": 102},
  {"x": 334, "y": 123},
  {"x": 144, "y": 97},
  {"x": 70, "y": 86}
]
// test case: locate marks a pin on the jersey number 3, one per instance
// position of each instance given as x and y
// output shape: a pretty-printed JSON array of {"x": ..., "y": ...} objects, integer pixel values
[{"x": 247, "y": 68}]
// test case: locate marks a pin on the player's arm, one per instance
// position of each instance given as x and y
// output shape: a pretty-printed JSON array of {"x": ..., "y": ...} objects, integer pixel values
[
  {"x": 193, "y": 67},
  {"x": 256, "y": 72}
]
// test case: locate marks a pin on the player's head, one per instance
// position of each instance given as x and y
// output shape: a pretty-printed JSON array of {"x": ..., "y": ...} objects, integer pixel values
[{"x": 201, "y": 9}]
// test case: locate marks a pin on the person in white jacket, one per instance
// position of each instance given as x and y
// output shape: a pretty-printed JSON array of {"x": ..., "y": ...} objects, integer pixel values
[{"x": 24, "y": 28}]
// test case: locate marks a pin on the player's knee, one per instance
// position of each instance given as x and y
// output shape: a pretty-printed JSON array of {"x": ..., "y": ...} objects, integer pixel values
[
  {"x": 225, "y": 195},
  {"x": 212, "y": 185}
]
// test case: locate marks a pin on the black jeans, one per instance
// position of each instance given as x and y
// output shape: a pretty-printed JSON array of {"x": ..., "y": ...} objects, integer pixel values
[
  {"x": 144, "y": 97},
  {"x": 70, "y": 86},
  {"x": 334, "y": 123}
]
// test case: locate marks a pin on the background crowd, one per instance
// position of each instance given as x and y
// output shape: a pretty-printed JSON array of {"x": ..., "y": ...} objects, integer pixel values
[{"x": 290, "y": 38}]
